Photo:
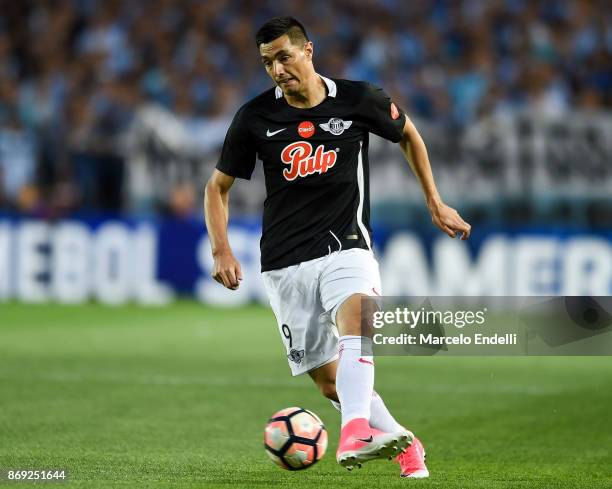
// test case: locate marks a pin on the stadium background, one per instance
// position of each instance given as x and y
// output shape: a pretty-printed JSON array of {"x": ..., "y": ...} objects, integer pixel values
[{"x": 112, "y": 115}]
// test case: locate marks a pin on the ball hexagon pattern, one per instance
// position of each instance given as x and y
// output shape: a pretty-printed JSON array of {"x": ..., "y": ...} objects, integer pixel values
[{"x": 295, "y": 438}]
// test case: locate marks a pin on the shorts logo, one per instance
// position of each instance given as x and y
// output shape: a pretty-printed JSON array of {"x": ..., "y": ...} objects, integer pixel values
[
  {"x": 296, "y": 355},
  {"x": 303, "y": 162},
  {"x": 336, "y": 126},
  {"x": 306, "y": 129},
  {"x": 394, "y": 111}
]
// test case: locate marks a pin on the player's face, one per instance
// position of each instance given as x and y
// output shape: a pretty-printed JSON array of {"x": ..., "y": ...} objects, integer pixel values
[{"x": 288, "y": 64}]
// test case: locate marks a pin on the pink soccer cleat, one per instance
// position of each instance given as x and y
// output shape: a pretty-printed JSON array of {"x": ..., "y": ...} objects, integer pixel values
[
  {"x": 360, "y": 443},
  {"x": 412, "y": 461}
]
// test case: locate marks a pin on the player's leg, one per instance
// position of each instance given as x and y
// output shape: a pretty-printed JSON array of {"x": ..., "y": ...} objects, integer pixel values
[
  {"x": 380, "y": 417},
  {"x": 355, "y": 374},
  {"x": 359, "y": 441},
  {"x": 325, "y": 379},
  {"x": 348, "y": 278},
  {"x": 412, "y": 460},
  {"x": 350, "y": 320}
]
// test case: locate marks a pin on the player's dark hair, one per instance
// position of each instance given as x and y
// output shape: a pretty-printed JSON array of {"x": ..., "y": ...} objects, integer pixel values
[{"x": 279, "y": 26}]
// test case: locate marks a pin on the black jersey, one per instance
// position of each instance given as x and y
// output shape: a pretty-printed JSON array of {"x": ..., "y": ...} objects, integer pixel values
[{"x": 316, "y": 169}]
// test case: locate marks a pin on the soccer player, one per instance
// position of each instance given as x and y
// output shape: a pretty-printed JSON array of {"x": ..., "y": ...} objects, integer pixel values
[{"x": 311, "y": 133}]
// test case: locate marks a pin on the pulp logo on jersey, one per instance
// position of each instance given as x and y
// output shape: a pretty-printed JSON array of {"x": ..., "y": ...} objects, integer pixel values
[
  {"x": 394, "y": 111},
  {"x": 306, "y": 129},
  {"x": 336, "y": 126},
  {"x": 303, "y": 162}
]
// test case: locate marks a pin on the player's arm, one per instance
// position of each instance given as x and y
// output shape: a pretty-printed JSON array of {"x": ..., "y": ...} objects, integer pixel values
[
  {"x": 226, "y": 269},
  {"x": 443, "y": 216}
]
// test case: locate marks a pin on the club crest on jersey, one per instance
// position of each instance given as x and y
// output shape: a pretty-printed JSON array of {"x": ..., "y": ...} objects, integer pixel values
[
  {"x": 296, "y": 355},
  {"x": 304, "y": 161},
  {"x": 336, "y": 126}
]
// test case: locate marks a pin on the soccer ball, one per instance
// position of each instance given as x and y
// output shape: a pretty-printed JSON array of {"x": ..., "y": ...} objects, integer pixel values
[{"x": 295, "y": 438}]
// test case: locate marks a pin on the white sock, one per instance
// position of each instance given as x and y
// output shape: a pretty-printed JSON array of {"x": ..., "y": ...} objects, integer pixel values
[
  {"x": 355, "y": 377},
  {"x": 380, "y": 417}
]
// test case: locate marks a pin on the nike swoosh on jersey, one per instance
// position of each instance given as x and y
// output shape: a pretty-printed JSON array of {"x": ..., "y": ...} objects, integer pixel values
[{"x": 272, "y": 133}]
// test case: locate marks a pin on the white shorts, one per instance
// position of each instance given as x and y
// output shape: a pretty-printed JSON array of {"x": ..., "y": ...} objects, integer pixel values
[{"x": 305, "y": 298}]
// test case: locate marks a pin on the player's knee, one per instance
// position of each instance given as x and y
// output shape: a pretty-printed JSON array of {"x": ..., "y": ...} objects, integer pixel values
[
  {"x": 350, "y": 326},
  {"x": 351, "y": 315}
]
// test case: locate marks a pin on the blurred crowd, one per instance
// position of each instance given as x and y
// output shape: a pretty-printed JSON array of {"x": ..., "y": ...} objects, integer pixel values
[{"x": 92, "y": 91}]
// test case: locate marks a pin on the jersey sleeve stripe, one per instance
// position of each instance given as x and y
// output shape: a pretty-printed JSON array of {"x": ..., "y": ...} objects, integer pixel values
[{"x": 362, "y": 227}]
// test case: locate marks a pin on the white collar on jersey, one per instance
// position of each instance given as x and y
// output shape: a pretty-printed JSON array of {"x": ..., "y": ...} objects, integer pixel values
[{"x": 331, "y": 88}]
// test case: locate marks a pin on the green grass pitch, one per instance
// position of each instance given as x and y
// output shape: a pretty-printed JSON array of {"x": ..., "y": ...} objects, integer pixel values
[{"x": 178, "y": 397}]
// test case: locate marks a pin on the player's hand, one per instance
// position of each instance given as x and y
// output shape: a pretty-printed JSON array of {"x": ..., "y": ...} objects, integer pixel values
[
  {"x": 226, "y": 270},
  {"x": 449, "y": 220}
]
